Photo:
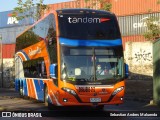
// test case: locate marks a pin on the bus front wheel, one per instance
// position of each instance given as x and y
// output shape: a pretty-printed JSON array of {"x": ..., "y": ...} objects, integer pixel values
[
  {"x": 46, "y": 99},
  {"x": 46, "y": 96}
]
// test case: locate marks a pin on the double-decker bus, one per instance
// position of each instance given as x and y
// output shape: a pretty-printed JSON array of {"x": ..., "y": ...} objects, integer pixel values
[{"x": 58, "y": 57}]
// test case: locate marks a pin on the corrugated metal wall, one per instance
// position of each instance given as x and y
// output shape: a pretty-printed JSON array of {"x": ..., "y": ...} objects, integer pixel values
[
  {"x": 8, "y": 50},
  {"x": 6, "y": 20},
  {"x": 135, "y": 24},
  {"x": 74, "y": 4},
  {"x": 133, "y": 38},
  {"x": 9, "y": 34},
  {"x": 132, "y": 7},
  {"x": 119, "y": 7},
  {"x": 129, "y": 12},
  {"x": 9, "y": 29}
]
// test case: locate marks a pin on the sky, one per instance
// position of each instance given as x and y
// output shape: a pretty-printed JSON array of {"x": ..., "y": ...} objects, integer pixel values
[{"x": 6, "y": 5}]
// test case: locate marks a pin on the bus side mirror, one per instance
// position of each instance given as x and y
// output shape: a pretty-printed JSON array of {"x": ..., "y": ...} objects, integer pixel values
[
  {"x": 53, "y": 71},
  {"x": 126, "y": 71}
]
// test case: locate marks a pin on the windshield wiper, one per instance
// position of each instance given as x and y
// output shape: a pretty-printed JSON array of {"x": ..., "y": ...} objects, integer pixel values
[
  {"x": 82, "y": 79},
  {"x": 92, "y": 78}
]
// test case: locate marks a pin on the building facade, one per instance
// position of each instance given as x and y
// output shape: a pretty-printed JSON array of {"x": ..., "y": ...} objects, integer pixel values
[
  {"x": 10, "y": 27},
  {"x": 132, "y": 17}
]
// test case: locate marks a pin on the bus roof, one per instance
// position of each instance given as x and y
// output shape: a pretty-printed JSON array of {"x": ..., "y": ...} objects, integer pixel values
[
  {"x": 83, "y": 10},
  {"x": 69, "y": 11}
]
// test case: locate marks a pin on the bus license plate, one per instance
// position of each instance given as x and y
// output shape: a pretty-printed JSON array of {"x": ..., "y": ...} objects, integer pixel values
[{"x": 95, "y": 99}]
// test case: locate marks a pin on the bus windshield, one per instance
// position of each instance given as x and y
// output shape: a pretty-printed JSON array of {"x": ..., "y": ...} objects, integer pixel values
[
  {"x": 88, "y": 26},
  {"x": 81, "y": 66}
]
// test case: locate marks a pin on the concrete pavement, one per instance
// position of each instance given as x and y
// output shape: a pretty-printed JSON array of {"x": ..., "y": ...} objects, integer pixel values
[{"x": 130, "y": 103}]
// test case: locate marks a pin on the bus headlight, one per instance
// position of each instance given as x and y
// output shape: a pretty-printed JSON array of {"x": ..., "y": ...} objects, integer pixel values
[
  {"x": 68, "y": 90},
  {"x": 117, "y": 90}
]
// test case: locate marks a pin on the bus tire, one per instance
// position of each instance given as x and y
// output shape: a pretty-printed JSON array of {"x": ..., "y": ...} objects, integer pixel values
[
  {"x": 46, "y": 101},
  {"x": 46, "y": 96}
]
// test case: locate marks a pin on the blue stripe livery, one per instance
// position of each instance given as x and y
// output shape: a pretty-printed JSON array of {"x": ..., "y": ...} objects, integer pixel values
[
  {"x": 39, "y": 88},
  {"x": 25, "y": 88},
  {"x": 90, "y": 43},
  {"x": 25, "y": 55}
]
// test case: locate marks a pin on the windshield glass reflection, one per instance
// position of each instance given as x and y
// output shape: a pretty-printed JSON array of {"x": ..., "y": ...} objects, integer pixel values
[{"x": 90, "y": 64}]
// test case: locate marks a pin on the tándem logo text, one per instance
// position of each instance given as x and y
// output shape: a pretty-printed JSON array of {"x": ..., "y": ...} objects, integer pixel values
[{"x": 86, "y": 20}]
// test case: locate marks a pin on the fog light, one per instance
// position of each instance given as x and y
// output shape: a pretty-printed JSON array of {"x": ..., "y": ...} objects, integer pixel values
[
  {"x": 121, "y": 98},
  {"x": 65, "y": 100}
]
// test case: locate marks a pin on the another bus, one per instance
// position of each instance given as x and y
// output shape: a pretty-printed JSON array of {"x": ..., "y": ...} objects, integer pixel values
[{"x": 56, "y": 59}]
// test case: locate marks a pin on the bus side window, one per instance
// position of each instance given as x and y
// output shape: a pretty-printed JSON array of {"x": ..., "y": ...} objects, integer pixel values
[
  {"x": 43, "y": 70},
  {"x": 51, "y": 40},
  {"x": 35, "y": 68}
]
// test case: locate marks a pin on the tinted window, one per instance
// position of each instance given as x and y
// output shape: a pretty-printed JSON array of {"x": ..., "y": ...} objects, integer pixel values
[
  {"x": 40, "y": 31},
  {"x": 88, "y": 26},
  {"x": 35, "y": 68},
  {"x": 81, "y": 65},
  {"x": 43, "y": 30}
]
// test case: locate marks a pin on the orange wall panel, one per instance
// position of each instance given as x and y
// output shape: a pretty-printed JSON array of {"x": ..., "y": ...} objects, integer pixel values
[
  {"x": 119, "y": 7},
  {"x": 133, "y": 38},
  {"x": 131, "y": 7},
  {"x": 8, "y": 50},
  {"x": 73, "y": 4}
]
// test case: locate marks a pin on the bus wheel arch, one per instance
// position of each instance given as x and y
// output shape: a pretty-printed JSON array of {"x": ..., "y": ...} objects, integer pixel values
[
  {"x": 45, "y": 95},
  {"x": 46, "y": 99}
]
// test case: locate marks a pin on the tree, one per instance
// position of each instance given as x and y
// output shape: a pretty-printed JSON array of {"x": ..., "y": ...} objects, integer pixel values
[
  {"x": 158, "y": 1},
  {"x": 29, "y": 8},
  {"x": 104, "y": 5},
  {"x": 153, "y": 27}
]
